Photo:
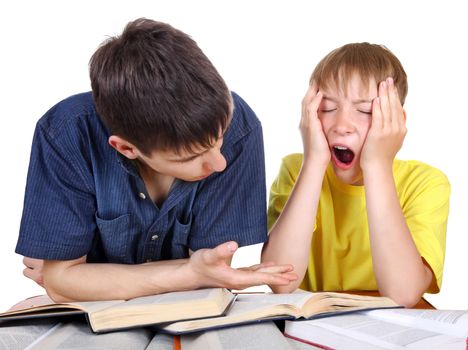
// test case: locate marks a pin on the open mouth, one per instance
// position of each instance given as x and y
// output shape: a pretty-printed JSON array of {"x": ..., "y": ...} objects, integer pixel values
[{"x": 343, "y": 154}]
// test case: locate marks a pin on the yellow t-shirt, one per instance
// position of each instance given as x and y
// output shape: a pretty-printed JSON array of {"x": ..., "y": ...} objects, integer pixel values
[{"x": 340, "y": 257}]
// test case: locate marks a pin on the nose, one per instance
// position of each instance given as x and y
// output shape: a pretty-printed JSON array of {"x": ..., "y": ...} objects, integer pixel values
[
  {"x": 216, "y": 162},
  {"x": 343, "y": 124}
]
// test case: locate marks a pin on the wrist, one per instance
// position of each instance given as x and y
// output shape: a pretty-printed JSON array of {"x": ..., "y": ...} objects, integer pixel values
[
  {"x": 190, "y": 276},
  {"x": 377, "y": 165},
  {"x": 377, "y": 171},
  {"x": 314, "y": 164}
]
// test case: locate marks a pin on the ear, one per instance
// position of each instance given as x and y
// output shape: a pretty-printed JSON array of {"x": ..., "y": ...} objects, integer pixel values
[
  {"x": 404, "y": 114},
  {"x": 123, "y": 147}
]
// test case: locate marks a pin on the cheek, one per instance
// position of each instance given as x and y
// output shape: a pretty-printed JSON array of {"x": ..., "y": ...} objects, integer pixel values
[
  {"x": 364, "y": 127},
  {"x": 326, "y": 123}
]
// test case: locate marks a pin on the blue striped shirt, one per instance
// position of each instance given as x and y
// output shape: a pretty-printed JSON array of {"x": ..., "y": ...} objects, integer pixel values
[{"x": 83, "y": 198}]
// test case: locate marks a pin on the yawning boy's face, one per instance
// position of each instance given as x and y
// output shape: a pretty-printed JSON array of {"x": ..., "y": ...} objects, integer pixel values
[{"x": 346, "y": 117}]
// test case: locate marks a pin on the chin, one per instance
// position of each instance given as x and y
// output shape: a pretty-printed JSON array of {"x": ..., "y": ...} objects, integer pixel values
[
  {"x": 349, "y": 177},
  {"x": 198, "y": 178}
]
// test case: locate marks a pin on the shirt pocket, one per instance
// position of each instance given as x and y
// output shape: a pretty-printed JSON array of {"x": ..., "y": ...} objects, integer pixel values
[
  {"x": 180, "y": 239},
  {"x": 117, "y": 237}
]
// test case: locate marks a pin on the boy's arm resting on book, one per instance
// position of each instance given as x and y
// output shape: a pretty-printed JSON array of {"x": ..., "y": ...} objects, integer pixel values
[
  {"x": 290, "y": 238},
  {"x": 400, "y": 271},
  {"x": 78, "y": 280}
]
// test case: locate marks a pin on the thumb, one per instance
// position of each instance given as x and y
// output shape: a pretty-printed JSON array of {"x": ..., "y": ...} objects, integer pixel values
[{"x": 221, "y": 252}]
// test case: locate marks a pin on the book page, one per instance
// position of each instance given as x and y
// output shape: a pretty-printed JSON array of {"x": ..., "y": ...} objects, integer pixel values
[
  {"x": 387, "y": 335},
  {"x": 323, "y": 338},
  {"x": 247, "y": 307},
  {"x": 78, "y": 336},
  {"x": 296, "y": 299},
  {"x": 19, "y": 335},
  {"x": 95, "y": 306},
  {"x": 177, "y": 297},
  {"x": 43, "y": 304},
  {"x": 34, "y": 301},
  {"x": 162, "y": 308},
  {"x": 450, "y": 322},
  {"x": 259, "y": 336}
]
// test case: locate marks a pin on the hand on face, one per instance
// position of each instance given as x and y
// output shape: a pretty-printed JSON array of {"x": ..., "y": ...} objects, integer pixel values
[
  {"x": 212, "y": 270},
  {"x": 388, "y": 128},
  {"x": 313, "y": 138}
]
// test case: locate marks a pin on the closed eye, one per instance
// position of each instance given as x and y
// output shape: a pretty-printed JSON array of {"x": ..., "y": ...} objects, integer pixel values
[
  {"x": 366, "y": 112},
  {"x": 186, "y": 160},
  {"x": 327, "y": 110}
]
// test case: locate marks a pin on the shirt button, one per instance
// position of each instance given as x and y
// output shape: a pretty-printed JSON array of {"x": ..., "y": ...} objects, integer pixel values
[
  {"x": 154, "y": 237},
  {"x": 142, "y": 195}
]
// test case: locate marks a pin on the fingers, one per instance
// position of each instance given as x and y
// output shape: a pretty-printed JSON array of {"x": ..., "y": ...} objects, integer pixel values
[
  {"x": 311, "y": 92},
  {"x": 276, "y": 269},
  {"x": 221, "y": 252},
  {"x": 210, "y": 265},
  {"x": 32, "y": 263},
  {"x": 384, "y": 104},
  {"x": 35, "y": 275},
  {"x": 247, "y": 279},
  {"x": 311, "y": 102},
  {"x": 256, "y": 267},
  {"x": 266, "y": 273},
  {"x": 392, "y": 114},
  {"x": 268, "y": 267},
  {"x": 377, "y": 118},
  {"x": 33, "y": 269}
]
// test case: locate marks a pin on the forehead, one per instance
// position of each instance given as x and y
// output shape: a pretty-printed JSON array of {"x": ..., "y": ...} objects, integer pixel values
[{"x": 355, "y": 87}]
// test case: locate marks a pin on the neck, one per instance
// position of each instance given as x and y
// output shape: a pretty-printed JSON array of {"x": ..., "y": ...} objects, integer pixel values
[{"x": 158, "y": 185}]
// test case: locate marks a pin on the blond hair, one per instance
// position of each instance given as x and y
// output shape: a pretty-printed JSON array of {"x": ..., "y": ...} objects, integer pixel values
[{"x": 368, "y": 61}]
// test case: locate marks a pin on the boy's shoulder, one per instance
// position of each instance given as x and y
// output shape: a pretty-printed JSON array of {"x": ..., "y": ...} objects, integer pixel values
[
  {"x": 415, "y": 171},
  {"x": 70, "y": 110},
  {"x": 291, "y": 166},
  {"x": 244, "y": 120},
  {"x": 293, "y": 162}
]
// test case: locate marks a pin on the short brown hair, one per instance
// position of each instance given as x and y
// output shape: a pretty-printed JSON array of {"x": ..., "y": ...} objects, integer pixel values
[
  {"x": 154, "y": 86},
  {"x": 369, "y": 61}
]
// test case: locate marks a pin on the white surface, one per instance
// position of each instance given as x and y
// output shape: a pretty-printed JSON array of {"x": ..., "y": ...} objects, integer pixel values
[{"x": 266, "y": 51}]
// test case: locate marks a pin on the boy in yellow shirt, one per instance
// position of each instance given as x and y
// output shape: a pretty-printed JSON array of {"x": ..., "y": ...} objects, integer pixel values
[{"x": 346, "y": 213}]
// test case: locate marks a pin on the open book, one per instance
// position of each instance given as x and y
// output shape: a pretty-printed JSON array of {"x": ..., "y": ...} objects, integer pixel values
[
  {"x": 385, "y": 329},
  {"x": 119, "y": 314},
  {"x": 249, "y": 308},
  {"x": 45, "y": 334}
]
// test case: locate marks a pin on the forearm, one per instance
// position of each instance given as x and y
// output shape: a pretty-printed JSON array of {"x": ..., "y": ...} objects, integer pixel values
[
  {"x": 83, "y": 281},
  {"x": 290, "y": 238},
  {"x": 399, "y": 269}
]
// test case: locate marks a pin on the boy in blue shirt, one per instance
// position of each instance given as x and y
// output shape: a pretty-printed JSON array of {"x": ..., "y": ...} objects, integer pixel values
[{"x": 160, "y": 161}]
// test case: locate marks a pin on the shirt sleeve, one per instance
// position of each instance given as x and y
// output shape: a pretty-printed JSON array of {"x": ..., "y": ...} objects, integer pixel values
[
  {"x": 231, "y": 205},
  {"x": 426, "y": 212},
  {"x": 59, "y": 205},
  {"x": 282, "y": 186}
]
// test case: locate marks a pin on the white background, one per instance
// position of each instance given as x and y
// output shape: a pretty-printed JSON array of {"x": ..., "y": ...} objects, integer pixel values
[{"x": 266, "y": 51}]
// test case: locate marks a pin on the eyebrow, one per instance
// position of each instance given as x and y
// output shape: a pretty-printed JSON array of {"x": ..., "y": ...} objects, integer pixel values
[
  {"x": 363, "y": 100},
  {"x": 358, "y": 101}
]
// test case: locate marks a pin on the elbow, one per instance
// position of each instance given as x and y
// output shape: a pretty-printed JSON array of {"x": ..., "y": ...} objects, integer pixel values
[
  {"x": 291, "y": 287},
  {"x": 54, "y": 294},
  {"x": 54, "y": 284},
  {"x": 408, "y": 294},
  {"x": 405, "y": 298}
]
